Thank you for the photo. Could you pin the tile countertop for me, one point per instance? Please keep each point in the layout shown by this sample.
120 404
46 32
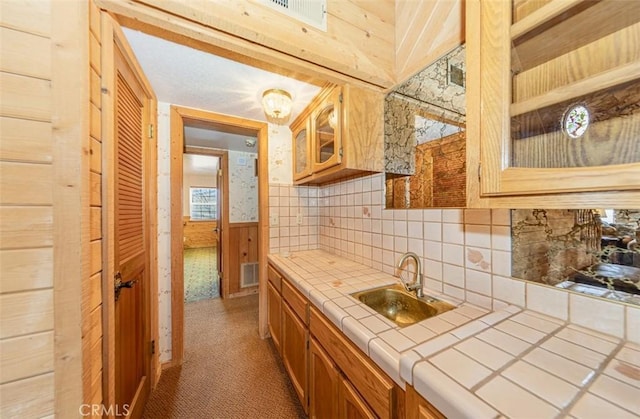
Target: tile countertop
467 361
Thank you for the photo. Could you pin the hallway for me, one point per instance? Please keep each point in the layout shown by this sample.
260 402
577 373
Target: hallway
200 274
228 371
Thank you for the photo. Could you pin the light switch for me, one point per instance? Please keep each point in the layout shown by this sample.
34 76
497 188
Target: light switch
274 221
299 219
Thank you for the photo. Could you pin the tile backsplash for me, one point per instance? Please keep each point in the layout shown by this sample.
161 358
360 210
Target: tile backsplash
466 253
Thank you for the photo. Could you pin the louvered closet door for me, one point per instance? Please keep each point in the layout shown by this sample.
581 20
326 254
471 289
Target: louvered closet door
131 259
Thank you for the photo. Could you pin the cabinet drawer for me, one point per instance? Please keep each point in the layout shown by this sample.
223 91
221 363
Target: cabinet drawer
374 386
275 278
296 301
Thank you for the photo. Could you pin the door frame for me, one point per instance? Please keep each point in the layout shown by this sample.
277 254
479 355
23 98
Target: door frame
111 32
223 225
179 117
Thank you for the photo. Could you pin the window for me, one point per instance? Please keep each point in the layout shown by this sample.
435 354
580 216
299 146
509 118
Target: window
203 203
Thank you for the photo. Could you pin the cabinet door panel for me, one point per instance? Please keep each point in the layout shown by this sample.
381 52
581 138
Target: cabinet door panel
274 310
524 81
324 379
301 150
351 404
294 352
326 126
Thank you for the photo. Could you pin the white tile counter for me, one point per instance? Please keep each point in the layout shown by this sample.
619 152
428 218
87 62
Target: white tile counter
467 361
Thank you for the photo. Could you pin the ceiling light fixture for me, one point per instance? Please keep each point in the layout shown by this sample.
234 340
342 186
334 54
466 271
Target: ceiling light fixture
277 105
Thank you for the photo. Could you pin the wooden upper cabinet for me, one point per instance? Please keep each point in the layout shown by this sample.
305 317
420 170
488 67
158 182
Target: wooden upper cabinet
344 135
552 103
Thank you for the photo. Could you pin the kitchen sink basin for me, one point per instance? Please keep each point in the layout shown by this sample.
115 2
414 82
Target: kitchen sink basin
401 307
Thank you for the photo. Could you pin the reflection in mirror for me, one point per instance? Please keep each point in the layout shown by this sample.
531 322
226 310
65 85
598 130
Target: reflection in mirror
425 141
593 251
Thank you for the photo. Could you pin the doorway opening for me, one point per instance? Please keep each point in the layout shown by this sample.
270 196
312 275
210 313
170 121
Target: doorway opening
200 213
240 224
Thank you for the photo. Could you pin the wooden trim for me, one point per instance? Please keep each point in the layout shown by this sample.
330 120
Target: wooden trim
70 136
177 232
242 225
179 116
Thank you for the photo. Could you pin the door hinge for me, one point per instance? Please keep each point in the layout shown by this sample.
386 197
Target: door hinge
340 152
479 170
219 172
340 98
153 347
150 130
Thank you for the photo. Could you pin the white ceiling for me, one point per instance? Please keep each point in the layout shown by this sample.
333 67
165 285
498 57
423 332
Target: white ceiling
188 77
196 164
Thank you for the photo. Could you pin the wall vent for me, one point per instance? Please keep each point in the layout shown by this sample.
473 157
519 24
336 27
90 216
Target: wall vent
248 274
311 12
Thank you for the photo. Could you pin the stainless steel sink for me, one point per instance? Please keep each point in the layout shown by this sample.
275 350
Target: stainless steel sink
401 307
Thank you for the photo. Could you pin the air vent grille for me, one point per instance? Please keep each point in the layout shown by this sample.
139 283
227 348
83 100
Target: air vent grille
311 12
248 274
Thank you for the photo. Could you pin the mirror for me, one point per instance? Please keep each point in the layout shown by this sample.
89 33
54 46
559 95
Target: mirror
425 140
593 251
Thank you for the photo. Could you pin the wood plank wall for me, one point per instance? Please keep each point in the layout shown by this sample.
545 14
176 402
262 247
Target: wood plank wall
92 285
243 248
358 41
26 211
199 233
425 31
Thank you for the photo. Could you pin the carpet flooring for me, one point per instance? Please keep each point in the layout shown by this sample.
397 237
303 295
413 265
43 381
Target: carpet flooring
228 371
200 274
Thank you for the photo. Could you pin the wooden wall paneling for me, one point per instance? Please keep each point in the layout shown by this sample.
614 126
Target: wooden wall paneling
368 59
425 31
26 227
199 233
107 118
95 153
25 97
70 96
31 16
183 30
17 364
26 183
95 184
94 118
92 341
32 397
26 312
25 140
22 53
25 269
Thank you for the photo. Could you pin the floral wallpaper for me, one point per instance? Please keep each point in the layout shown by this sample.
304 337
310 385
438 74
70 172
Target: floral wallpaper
243 187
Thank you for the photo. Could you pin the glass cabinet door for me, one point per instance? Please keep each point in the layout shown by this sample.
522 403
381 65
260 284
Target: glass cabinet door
301 152
327 129
560 88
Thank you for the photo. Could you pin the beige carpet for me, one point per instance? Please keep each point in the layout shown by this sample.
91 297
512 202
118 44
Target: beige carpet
228 371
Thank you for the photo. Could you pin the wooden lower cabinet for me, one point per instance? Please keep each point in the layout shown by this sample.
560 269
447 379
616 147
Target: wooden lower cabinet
324 381
274 316
351 405
294 352
419 408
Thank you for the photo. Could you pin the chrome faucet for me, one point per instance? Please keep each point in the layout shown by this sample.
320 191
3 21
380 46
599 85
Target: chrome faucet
417 280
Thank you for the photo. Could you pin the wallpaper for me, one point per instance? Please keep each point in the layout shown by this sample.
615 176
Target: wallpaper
243 187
